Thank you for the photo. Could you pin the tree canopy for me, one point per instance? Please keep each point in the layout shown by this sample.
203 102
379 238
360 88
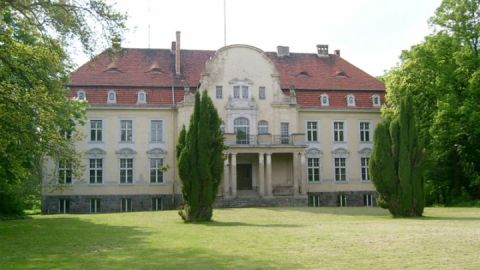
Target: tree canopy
36 117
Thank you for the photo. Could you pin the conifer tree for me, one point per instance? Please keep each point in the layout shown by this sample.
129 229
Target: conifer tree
200 160
396 163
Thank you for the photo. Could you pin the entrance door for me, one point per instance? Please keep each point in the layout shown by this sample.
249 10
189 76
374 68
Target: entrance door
244 176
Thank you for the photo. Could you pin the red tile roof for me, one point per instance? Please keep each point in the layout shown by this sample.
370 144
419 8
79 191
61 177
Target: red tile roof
153 70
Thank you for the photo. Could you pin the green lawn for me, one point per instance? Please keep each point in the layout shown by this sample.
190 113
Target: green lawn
248 238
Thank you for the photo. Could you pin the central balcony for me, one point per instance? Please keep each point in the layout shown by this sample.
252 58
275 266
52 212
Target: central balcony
232 139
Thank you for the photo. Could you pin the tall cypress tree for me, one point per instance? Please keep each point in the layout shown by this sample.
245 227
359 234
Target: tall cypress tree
200 160
396 163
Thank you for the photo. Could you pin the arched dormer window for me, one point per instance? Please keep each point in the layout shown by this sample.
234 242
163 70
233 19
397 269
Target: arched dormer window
376 102
111 96
141 97
262 127
81 95
350 100
241 88
324 100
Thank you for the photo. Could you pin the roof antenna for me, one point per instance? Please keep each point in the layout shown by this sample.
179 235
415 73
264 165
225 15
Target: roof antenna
225 22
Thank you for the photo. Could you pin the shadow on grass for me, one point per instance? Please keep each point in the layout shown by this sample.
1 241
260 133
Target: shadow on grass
242 224
77 243
449 218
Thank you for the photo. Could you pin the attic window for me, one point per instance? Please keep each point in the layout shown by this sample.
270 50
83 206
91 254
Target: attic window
324 100
341 74
111 97
303 74
155 70
81 95
376 101
141 97
112 68
350 100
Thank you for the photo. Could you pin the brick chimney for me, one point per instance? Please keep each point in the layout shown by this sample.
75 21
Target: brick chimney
337 52
322 50
283 51
177 55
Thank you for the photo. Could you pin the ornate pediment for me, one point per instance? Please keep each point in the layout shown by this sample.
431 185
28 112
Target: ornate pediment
240 81
126 152
156 153
340 153
96 153
314 153
365 152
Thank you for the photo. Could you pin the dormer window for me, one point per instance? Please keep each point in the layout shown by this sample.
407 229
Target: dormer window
81 95
350 100
141 97
324 100
111 97
376 101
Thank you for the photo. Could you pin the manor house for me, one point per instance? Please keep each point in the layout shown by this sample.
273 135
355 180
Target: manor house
298 126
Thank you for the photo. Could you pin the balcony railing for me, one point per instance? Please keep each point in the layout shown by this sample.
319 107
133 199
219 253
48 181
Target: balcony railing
264 139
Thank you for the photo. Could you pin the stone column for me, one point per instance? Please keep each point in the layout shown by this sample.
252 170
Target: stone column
269 175
261 175
303 177
295 173
226 178
233 170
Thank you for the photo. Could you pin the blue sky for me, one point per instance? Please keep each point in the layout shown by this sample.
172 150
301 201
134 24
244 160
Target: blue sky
370 33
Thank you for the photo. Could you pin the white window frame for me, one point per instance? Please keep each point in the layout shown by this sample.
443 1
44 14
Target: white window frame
310 131
126 168
95 169
342 200
340 131
340 167
95 205
157 170
139 99
80 93
65 167
262 93
311 167
322 102
364 132
262 127
109 100
364 167
351 100
219 92
126 130
158 132
315 199
241 91
368 200
376 101
128 205
65 205
157 204
97 130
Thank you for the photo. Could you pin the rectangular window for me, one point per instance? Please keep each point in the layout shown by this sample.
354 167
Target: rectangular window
126 171
261 92
244 91
368 200
340 169
284 135
236 91
157 204
96 130
63 206
342 200
219 92
338 130
95 205
126 205
156 131
64 172
364 168
312 132
156 173
313 170
313 200
96 171
364 131
126 129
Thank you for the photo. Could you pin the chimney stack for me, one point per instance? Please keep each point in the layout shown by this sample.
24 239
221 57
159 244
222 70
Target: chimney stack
337 52
322 50
283 51
177 55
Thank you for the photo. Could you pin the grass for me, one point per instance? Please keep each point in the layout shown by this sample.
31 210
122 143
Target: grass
248 238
